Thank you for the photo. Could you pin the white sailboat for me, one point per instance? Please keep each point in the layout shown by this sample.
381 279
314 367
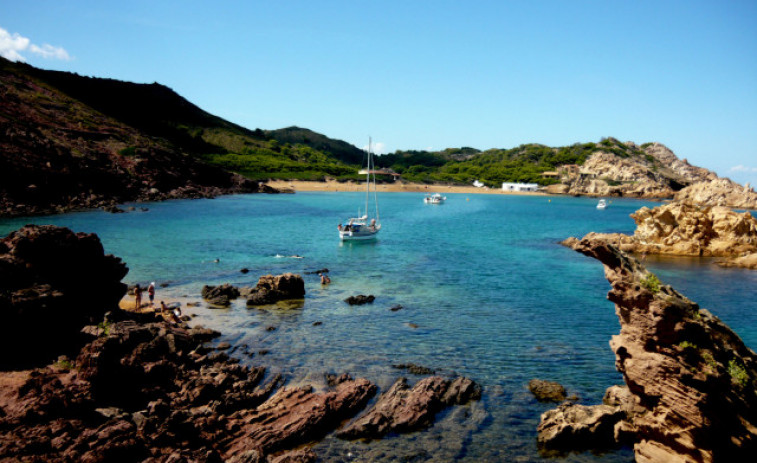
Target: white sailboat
601 204
364 227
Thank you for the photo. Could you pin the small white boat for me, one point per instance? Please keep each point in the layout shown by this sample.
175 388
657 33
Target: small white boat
601 204
362 227
435 198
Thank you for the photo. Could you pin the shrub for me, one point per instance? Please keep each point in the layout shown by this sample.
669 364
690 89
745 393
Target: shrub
738 373
651 282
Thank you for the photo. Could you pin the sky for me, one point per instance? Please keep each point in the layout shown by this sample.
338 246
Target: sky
430 74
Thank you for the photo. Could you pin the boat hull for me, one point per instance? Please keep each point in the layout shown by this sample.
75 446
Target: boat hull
357 236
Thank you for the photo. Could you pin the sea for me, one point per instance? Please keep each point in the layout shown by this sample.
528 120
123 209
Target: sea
485 289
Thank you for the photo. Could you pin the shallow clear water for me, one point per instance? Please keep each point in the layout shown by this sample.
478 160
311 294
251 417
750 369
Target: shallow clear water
486 292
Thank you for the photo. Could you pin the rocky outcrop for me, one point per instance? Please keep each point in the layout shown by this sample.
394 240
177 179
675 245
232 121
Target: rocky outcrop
579 427
271 289
719 192
625 169
686 230
692 379
748 261
404 409
53 282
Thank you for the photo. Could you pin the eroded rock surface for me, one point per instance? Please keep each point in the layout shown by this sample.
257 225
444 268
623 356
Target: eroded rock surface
692 379
404 409
687 230
719 192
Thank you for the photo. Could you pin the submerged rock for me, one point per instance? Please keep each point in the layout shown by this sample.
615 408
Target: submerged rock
547 391
691 378
360 299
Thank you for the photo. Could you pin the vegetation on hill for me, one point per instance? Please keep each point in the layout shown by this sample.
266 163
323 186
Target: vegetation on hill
105 132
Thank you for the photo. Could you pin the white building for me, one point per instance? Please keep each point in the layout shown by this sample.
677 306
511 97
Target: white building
478 184
520 187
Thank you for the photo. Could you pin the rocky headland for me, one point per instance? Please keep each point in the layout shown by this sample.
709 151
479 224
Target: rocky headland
130 386
690 381
650 170
683 229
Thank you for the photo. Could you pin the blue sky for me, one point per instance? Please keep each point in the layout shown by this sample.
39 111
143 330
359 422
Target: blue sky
430 74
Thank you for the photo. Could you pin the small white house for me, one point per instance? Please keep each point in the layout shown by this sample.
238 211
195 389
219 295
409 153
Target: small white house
478 184
520 187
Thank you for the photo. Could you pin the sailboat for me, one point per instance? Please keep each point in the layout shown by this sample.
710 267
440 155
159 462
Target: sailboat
364 227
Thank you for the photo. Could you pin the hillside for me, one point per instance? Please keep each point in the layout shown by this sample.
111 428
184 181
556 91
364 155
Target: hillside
69 142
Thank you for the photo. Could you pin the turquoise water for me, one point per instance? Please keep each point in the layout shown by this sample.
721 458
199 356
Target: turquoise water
486 292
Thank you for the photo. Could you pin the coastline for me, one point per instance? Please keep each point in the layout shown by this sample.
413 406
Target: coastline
286 186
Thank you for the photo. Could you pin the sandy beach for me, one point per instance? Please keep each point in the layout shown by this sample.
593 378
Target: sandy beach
395 187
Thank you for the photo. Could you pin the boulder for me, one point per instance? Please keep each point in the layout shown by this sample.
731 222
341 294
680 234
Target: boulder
578 427
360 299
221 295
547 391
271 289
719 192
53 282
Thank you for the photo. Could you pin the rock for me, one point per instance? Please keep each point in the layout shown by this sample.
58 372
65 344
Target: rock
687 230
414 369
220 295
547 391
719 192
245 270
294 416
53 282
360 299
271 289
692 379
578 427
403 409
395 308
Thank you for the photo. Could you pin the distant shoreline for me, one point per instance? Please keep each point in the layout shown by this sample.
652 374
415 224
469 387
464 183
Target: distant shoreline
394 187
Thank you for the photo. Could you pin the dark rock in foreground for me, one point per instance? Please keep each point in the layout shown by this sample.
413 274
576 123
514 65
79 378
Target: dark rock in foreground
53 282
691 380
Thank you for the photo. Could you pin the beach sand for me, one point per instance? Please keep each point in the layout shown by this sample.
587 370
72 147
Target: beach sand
394 187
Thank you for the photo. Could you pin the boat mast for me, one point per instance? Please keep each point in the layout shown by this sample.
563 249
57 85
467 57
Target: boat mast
368 177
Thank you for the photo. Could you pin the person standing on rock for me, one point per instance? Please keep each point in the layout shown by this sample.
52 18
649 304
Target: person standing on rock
137 297
151 293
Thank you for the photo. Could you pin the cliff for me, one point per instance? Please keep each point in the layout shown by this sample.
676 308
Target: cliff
691 380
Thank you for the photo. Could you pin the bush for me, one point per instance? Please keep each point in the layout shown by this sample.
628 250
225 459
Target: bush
651 282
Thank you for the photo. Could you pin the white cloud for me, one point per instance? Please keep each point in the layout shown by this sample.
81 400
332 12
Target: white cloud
12 47
376 148
743 168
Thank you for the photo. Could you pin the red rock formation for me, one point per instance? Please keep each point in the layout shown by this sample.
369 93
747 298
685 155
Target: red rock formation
692 379
402 409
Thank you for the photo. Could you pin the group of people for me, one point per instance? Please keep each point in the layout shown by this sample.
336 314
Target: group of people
324 278
138 295
175 313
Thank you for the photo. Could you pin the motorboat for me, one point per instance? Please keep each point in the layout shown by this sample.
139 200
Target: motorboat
364 227
435 198
601 204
